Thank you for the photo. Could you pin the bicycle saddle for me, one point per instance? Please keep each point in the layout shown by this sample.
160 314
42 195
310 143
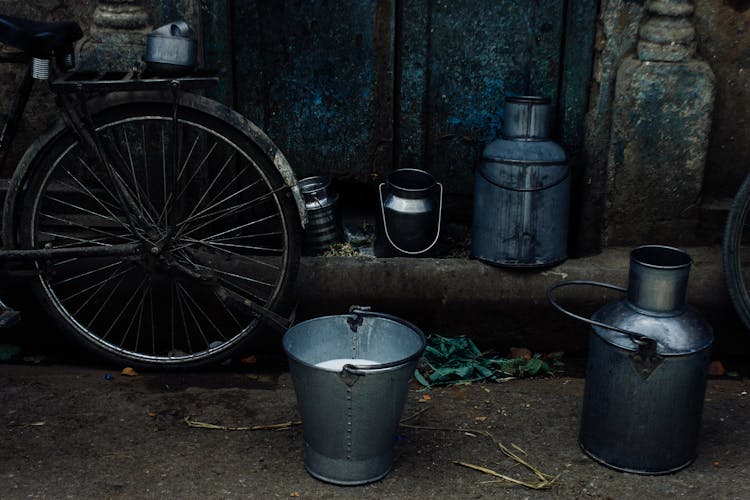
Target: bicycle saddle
38 38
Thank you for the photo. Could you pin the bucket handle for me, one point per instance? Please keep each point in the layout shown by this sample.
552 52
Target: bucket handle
361 311
638 338
526 190
385 223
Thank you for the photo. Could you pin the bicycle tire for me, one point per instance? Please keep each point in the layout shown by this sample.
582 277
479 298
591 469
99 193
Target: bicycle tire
736 252
221 210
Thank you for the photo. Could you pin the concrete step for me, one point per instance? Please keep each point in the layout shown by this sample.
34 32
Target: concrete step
502 306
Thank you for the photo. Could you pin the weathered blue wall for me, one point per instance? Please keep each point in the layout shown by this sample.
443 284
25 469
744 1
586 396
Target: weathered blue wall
355 89
317 76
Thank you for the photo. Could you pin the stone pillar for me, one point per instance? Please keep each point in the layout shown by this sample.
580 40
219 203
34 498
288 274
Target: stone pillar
118 35
661 120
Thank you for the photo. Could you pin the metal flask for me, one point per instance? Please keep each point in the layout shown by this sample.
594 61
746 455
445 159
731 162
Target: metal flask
411 205
171 50
647 368
522 191
324 220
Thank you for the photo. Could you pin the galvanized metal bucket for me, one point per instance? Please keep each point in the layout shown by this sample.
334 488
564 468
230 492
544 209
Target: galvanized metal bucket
647 368
351 375
522 191
410 219
323 217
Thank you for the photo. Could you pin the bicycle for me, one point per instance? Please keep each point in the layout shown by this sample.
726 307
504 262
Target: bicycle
736 252
157 227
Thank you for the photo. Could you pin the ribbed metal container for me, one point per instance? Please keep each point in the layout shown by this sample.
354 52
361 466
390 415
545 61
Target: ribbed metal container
323 217
171 50
647 369
522 191
410 214
350 415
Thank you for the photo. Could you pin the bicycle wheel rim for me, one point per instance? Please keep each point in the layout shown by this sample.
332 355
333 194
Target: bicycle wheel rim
736 253
231 223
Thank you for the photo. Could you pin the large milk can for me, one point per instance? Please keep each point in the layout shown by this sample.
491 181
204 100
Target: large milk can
323 218
647 368
351 374
522 191
411 204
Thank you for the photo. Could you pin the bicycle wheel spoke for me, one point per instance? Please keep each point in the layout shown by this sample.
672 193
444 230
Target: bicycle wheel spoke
214 246
70 223
205 212
226 212
85 274
185 328
242 291
209 206
143 201
203 314
138 314
98 286
208 190
85 190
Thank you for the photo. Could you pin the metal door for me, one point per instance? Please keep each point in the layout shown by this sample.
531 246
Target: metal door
354 89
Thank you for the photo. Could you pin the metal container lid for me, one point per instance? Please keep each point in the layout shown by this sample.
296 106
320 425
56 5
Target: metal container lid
527 118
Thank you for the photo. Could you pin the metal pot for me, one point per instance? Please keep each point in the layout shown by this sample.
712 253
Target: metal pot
647 368
411 204
522 191
171 50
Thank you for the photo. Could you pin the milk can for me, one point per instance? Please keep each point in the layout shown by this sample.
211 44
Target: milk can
324 220
522 191
647 368
411 204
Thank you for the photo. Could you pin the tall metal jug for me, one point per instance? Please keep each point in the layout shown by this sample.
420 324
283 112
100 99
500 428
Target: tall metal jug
522 191
647 368
324 225
411 204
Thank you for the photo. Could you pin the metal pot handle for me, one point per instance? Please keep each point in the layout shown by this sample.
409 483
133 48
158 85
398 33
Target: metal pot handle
385 223
638 338
359 312
526 190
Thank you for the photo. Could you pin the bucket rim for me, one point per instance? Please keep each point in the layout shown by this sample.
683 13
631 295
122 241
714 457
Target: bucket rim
411 190
358 369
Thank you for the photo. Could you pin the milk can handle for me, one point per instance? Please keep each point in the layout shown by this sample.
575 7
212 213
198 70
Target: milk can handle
526 164
636 337
385 223
360 311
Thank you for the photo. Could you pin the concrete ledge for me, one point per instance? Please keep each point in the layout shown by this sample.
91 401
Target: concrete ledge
471 283
457 296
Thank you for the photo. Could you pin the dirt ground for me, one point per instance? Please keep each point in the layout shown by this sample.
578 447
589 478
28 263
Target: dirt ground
73 431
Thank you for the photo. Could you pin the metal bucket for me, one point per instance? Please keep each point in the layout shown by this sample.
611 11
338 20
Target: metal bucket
647 368
522 191
351 408
410 218
323 217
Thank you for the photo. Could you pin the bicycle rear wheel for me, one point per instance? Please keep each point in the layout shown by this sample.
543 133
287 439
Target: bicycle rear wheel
212 215
736 252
